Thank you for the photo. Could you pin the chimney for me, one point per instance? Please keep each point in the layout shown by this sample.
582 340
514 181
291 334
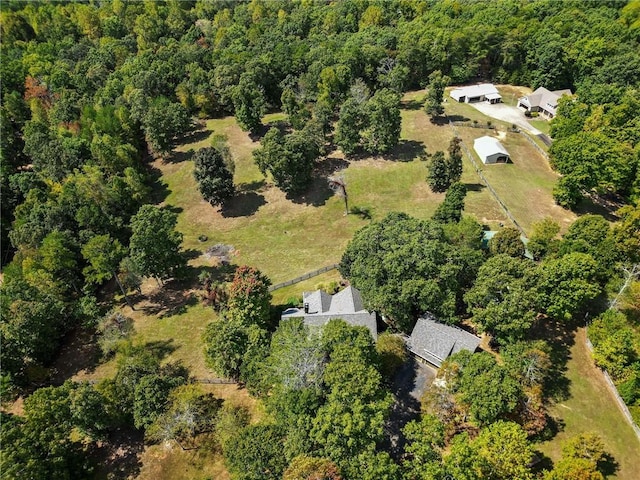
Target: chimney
306 308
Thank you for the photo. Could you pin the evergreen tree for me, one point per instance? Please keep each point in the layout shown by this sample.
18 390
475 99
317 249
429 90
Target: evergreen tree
438 173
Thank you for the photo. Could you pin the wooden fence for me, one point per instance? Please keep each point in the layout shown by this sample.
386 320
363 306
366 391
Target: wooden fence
216 381
486 182
533 142
303 277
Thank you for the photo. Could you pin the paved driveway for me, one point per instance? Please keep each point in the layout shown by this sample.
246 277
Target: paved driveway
506 113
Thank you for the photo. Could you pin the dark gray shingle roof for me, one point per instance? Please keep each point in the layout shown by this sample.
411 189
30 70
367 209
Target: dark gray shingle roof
435 341
346 305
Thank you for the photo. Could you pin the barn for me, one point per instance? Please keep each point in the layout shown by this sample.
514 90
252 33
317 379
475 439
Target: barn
490 150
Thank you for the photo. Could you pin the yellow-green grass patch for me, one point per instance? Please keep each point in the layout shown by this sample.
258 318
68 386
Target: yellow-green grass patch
526 184
592 408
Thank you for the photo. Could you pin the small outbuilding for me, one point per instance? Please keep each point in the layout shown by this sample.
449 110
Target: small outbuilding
433 342
484 92
490 150
319 307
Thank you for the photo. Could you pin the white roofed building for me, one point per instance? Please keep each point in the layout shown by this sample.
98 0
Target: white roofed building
490 150
484 92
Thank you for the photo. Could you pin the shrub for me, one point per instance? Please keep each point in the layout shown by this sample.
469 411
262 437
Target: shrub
113 329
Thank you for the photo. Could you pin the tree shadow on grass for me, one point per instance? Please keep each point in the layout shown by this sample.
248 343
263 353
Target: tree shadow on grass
160 349
411 105
560 338
608 465
178 157
262 130
316 195
168 301
318 191
605 206
79 353
119 456
246 201
405 151
474 187
159 189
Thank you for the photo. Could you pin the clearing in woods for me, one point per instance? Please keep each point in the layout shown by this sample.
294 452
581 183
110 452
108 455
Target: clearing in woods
286 237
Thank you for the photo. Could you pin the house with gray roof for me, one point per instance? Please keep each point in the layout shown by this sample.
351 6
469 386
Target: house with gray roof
543 101
434 342
319 307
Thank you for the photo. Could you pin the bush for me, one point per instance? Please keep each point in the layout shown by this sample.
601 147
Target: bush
630 390
393 353
113 329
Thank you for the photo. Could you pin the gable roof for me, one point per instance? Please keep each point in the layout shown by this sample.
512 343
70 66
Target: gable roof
487 146
347 305
544 98
473 91
435 341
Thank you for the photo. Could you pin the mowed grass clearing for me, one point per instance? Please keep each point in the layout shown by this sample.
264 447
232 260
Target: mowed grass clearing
592 408
286 237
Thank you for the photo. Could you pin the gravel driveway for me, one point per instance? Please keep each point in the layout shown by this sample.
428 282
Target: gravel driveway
506 113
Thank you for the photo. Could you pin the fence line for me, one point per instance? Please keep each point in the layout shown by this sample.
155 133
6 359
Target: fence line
223 381
303 277
614 390
488 126
533 142
486 182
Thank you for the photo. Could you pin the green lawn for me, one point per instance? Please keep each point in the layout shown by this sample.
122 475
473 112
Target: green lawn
542 125
592 408
526 184
286 238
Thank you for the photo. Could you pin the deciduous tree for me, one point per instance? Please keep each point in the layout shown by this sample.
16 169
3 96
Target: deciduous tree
450 210
507 241
155 244
215 181
435 93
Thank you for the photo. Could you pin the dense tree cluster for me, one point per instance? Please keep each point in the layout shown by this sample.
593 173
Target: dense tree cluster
234 343
289 158
325 394
404 267
89 90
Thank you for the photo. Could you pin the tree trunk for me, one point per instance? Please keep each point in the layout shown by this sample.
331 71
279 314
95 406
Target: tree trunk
126 298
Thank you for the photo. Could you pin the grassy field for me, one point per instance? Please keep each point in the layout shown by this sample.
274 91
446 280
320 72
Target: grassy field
523 185
287 237
592 408
542 125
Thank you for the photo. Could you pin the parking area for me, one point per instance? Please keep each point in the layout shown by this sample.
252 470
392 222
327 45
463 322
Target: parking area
506 113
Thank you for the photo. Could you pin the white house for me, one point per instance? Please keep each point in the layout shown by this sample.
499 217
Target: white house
543 101
476 93
490 150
